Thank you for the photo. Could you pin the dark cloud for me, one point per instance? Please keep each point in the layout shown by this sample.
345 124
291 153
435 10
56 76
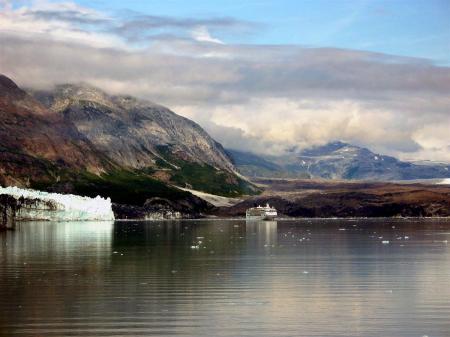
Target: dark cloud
137 26
140 21
70 16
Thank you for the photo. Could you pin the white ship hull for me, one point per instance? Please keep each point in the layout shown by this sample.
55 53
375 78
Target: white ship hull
261 213
261 217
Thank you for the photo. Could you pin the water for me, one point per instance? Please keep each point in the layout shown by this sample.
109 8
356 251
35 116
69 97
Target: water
291 278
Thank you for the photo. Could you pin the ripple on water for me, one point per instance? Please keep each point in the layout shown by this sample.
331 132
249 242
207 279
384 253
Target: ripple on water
285 278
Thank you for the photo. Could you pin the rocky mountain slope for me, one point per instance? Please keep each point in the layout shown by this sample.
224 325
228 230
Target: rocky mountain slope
340 160
149 138
77 139
130 131
36 142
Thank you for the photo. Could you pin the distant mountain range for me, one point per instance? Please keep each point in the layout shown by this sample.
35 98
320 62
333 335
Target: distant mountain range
77 138
336 160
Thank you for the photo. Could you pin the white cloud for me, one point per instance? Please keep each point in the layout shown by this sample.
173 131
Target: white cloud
57 21
262 98
202 34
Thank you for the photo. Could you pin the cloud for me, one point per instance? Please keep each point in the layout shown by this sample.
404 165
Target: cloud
201 34
67 16
263 98
65 22
135 26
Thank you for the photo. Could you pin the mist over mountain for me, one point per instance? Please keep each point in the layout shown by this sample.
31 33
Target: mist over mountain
336 160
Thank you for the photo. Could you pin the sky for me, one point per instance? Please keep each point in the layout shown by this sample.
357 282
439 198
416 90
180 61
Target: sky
258 75
418 28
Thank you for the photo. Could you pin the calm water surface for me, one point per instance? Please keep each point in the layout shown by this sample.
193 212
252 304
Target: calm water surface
226 278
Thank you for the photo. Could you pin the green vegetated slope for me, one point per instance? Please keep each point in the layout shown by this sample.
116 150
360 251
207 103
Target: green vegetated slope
122 186
203 177
126 187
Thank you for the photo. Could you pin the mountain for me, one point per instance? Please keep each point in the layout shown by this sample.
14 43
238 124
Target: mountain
131 131
36 142
77 139
339 160
252 165
140 135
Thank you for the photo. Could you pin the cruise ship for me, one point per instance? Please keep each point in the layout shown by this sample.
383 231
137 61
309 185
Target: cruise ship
261 213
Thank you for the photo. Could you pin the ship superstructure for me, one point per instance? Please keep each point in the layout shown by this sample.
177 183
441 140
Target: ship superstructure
261 213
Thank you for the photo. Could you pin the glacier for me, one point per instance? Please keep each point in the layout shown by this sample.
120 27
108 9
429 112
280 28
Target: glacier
37 205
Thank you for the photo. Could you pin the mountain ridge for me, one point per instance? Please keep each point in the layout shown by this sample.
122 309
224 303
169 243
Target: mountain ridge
34 138
78 139
132 129
338 160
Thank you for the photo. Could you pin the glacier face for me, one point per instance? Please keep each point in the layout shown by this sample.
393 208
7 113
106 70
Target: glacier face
38 205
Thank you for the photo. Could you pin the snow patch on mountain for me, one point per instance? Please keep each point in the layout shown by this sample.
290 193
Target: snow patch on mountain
38 205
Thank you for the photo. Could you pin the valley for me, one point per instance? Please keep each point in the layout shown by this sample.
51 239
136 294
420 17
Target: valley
325 199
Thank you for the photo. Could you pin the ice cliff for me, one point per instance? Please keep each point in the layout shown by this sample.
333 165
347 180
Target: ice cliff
25 204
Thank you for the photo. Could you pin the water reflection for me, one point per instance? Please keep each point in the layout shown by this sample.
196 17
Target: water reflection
262 233
226 278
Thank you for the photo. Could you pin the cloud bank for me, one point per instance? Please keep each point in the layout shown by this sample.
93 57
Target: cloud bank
263 98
